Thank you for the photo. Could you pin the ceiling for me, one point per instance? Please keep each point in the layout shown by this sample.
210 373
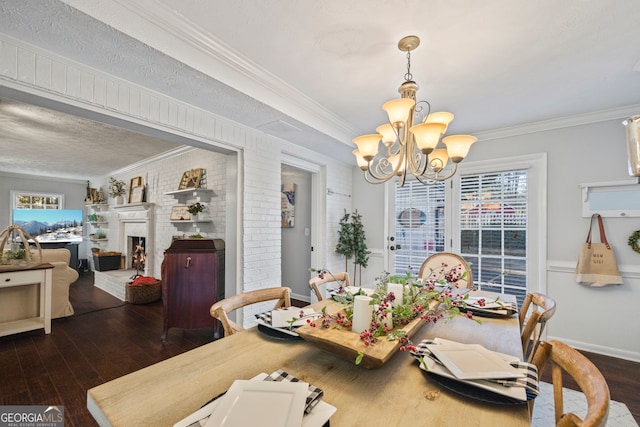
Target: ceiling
316 73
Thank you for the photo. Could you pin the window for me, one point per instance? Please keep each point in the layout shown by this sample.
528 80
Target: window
493 230
27 200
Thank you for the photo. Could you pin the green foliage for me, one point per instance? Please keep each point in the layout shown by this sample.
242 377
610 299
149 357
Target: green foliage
195 208
19 254
352 239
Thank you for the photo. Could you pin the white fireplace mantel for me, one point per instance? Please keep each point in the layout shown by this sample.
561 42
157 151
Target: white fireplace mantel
136 219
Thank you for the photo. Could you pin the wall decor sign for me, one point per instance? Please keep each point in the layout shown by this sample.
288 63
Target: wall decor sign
288 204
180 213
191 179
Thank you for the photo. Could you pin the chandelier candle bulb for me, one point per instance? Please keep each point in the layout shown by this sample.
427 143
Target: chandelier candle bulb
362 313
397 289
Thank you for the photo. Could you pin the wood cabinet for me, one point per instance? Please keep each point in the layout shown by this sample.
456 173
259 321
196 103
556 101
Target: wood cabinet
192 280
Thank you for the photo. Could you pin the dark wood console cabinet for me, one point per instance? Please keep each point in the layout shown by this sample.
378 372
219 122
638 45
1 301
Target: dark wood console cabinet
192 280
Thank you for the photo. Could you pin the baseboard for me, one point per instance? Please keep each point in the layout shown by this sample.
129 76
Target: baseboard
301 297
598 349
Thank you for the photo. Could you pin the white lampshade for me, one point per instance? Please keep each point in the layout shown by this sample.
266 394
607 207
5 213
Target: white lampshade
458 146
398 109
368 145
438 159
362 163
427 135
439 117
388 134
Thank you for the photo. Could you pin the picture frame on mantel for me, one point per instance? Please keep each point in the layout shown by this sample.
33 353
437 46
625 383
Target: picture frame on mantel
136 190
180 213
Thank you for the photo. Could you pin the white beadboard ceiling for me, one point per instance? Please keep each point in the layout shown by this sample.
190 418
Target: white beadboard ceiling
316 72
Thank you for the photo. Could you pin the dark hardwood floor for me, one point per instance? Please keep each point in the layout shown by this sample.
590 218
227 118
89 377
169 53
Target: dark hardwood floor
106 339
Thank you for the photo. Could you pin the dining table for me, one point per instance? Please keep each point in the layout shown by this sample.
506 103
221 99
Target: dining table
397 393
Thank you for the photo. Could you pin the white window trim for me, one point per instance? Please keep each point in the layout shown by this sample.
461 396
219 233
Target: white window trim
15 193
536 165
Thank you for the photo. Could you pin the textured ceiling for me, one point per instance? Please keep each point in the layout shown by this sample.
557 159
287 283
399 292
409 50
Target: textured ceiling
316 73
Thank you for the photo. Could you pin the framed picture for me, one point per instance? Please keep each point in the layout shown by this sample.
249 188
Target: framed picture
191 179
180 213
136 190
288 205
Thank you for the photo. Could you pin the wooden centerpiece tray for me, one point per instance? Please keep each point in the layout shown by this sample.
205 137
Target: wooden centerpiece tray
347 344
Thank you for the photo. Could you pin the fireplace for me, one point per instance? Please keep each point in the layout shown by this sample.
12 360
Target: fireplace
136 237
136 242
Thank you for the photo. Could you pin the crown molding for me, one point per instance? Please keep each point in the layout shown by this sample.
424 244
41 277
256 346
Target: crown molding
619 113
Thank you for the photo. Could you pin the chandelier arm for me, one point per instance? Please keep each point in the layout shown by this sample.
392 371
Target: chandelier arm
419 109
437 176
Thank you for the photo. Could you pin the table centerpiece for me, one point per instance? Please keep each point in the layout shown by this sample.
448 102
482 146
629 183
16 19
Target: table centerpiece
398 306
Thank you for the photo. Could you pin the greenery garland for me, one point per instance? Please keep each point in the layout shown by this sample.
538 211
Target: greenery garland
633 241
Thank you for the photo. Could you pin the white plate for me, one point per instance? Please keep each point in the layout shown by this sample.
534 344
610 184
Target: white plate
473 362
354 290
263 403
514 392
318 416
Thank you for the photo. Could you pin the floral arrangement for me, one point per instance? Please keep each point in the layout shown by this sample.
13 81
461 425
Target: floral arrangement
430 299
116 187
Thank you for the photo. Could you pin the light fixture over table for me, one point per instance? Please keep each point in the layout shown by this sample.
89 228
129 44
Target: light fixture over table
409 147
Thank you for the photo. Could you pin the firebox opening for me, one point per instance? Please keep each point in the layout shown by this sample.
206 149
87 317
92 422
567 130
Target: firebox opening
137 252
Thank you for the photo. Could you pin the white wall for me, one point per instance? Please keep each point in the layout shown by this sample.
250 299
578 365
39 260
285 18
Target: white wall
599 320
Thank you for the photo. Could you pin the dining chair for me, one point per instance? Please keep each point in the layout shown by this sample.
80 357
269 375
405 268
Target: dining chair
341 278
222 308
536 310
437 265
565 359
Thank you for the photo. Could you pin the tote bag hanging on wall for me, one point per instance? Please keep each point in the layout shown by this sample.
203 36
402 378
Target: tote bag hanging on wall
597 264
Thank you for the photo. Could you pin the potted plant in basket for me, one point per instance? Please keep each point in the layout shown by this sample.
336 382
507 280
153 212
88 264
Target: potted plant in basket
117 190
16 256
195 209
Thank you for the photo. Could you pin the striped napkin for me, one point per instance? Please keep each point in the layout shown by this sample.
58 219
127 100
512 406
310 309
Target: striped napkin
313 395
529 381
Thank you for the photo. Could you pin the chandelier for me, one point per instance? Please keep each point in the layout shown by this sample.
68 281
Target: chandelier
408 146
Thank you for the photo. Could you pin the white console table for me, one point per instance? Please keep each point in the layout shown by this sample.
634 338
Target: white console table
40 275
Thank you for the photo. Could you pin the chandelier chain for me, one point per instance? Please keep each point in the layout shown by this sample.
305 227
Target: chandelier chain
408 76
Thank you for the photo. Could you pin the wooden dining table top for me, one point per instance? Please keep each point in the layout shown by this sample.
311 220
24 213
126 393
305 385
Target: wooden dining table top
398 393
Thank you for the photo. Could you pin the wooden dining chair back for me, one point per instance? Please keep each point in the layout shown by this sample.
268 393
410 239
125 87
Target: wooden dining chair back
438 265
535 312
562 358
222 308
341 278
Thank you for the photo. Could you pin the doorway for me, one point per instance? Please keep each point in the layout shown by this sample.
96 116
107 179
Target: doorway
296 227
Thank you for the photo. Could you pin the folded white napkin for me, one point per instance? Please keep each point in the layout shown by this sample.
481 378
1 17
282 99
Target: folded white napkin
282 317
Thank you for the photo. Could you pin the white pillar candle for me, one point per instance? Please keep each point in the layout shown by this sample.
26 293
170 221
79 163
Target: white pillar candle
397 289
362 313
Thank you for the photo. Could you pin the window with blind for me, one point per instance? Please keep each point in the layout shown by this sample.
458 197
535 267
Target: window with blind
493 230
419 224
